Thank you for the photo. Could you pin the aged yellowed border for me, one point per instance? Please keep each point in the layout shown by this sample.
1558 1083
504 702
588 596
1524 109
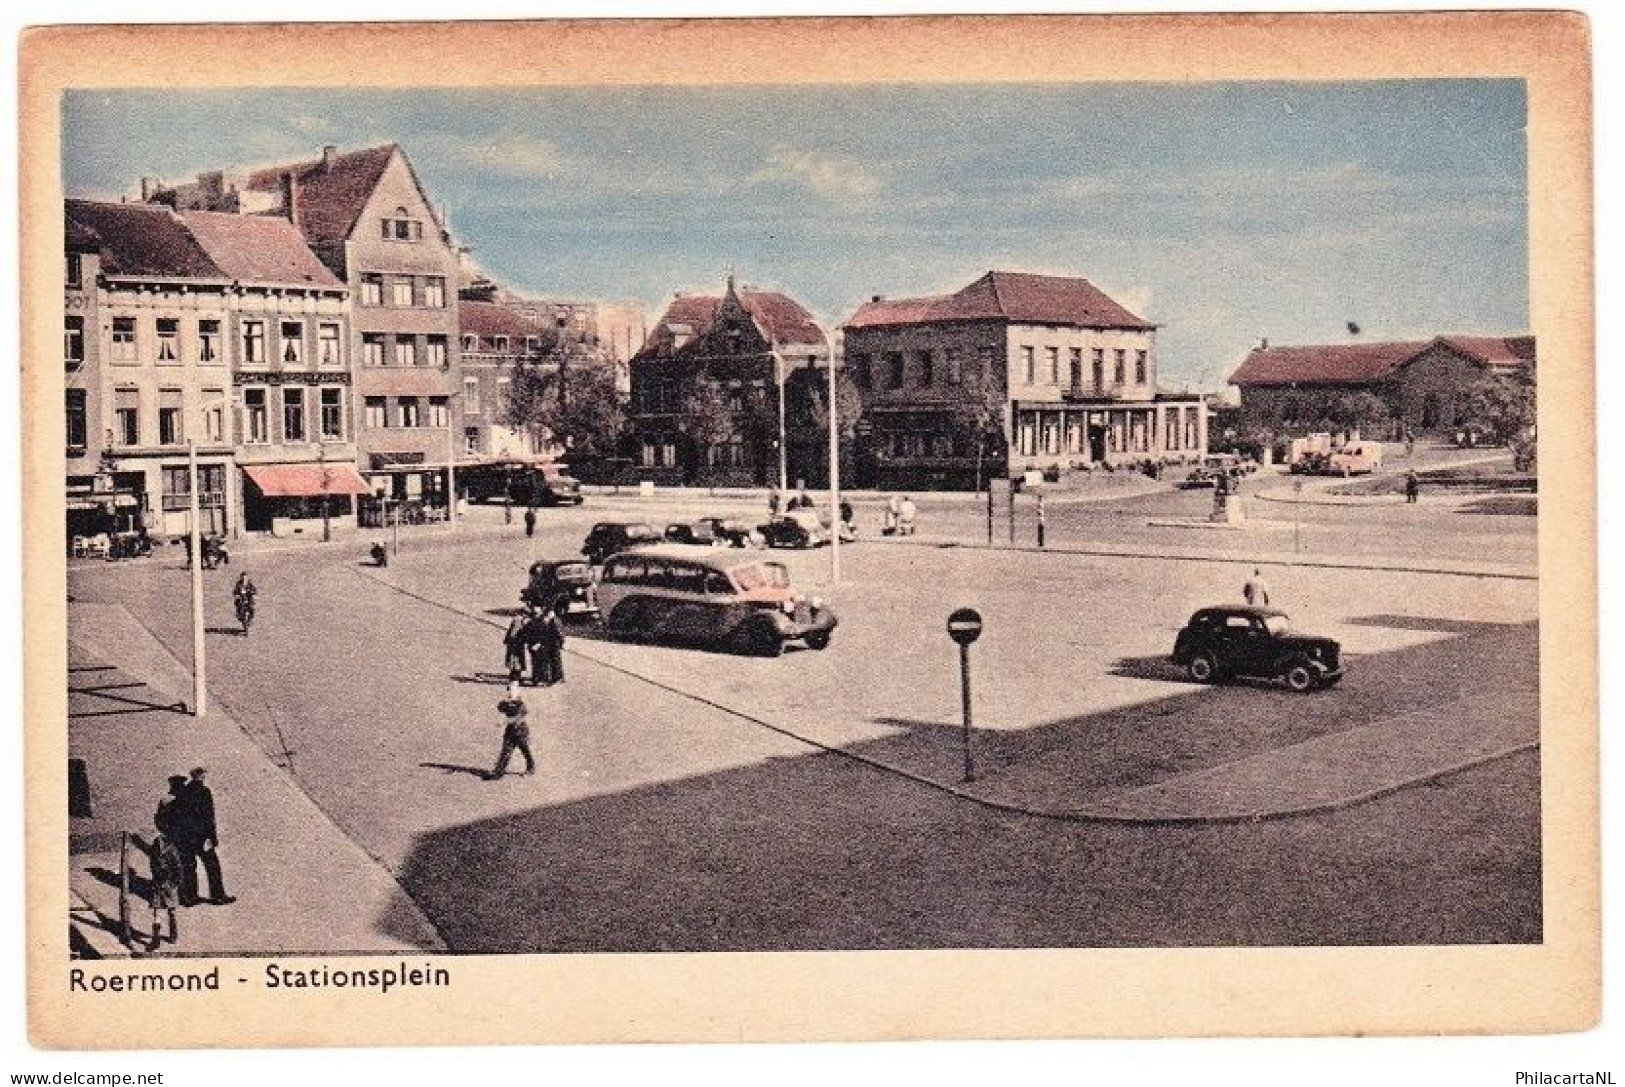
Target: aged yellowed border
1554 986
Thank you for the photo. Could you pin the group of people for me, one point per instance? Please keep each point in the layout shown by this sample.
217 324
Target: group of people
900 515
535 636
187 833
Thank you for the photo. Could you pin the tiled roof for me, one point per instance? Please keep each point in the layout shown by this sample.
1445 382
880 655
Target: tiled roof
257 248
780 318
1363 363
1008 296
331 197
142 239
78 238
489 319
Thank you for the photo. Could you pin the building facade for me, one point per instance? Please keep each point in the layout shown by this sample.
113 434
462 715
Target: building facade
498 341
707 385
1015 372
1422 383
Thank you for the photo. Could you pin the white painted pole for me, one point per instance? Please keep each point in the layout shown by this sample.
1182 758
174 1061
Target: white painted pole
200 696
451 462
834 467
784 465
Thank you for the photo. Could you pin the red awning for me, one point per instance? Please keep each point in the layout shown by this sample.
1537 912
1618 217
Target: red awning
306 480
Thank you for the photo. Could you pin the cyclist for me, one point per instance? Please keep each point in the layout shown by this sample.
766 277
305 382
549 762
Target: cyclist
242 595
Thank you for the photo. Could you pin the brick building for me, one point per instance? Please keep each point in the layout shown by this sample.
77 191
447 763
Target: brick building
497 340
1422 382
1032 371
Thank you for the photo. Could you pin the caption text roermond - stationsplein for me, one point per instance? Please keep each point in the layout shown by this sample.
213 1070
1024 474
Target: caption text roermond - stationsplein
274 975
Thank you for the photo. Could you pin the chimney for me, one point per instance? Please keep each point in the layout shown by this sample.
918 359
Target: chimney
329 154
1264 344
876 297
150 187
290 196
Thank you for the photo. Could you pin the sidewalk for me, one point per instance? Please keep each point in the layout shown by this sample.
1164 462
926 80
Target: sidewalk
301 884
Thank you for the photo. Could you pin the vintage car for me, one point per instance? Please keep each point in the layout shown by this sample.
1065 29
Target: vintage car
608 537
710 596
1212 467
795 528
1225 641
565 583
713 532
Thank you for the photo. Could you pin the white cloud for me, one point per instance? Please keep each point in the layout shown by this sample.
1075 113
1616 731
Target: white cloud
518 156
825 175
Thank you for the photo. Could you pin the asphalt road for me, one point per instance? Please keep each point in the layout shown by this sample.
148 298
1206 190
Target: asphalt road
675 807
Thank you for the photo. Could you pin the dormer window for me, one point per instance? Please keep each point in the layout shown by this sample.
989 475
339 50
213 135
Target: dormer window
401 227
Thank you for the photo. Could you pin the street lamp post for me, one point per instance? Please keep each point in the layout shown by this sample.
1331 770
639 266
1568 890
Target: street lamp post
327 482
200 694
834 463
778 373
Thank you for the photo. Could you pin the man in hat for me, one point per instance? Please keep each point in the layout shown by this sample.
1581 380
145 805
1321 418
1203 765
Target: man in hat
515 734
204 837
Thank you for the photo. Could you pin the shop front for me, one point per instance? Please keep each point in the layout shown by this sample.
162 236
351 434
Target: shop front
300 499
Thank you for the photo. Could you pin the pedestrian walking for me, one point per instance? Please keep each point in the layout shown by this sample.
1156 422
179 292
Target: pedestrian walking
1256 591
530 521
513 645
906 512
515 734
199 823
773 500
894 506
164 886
1413 486
173 822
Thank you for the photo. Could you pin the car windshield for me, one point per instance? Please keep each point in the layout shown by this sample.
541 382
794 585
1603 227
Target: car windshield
1277 624
758 575
572 570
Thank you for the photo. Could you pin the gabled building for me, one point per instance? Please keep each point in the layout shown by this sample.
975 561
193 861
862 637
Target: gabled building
498 340
741 346
1014 372
1292 389
367 217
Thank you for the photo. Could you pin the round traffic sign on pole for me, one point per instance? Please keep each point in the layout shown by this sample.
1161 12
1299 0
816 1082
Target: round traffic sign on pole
965 626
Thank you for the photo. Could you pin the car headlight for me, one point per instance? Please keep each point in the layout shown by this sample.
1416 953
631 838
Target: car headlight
789 607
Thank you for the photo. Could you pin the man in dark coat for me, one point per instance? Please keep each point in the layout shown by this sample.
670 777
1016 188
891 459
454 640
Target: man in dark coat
202 840
1413 486
530 520
545 637
515 734
174 821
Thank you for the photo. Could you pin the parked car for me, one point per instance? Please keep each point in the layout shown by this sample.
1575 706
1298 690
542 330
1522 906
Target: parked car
795 528
553 486
1212 467
713 532
710 596
608 537
1356 458
565 583
1226 641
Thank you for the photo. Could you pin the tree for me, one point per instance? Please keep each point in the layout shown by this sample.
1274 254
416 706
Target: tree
986 419
705 418
1501 408
586 417
1357 411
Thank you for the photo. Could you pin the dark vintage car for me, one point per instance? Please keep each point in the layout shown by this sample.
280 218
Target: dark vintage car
795 528
1228 641
565 583
712 532
718 597
608 537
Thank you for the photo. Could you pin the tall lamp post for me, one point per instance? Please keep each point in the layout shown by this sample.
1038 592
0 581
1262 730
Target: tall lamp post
778 373
834 464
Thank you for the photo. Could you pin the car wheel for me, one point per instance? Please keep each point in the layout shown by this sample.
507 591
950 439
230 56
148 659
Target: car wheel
1203 668
818 639
1300 677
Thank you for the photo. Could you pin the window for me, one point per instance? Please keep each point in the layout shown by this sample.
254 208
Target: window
984 358
329 349
1170 428
504 387
1099 367
256 422
332 414
1119 362
400 291
471 343
471 439
374 413
254 343
1077 367
293 343
78 427
171 428
411 416
1028 374
214 416
127 417
1139 367
372 289
406 351
927 368
956 369
124 340
169 339
501 343
532 345
211 486
858 367
208 341
73 340
293 414
894 366
401 227
74 273
434 291
1052 355
439 412
372 349
471 396
436 346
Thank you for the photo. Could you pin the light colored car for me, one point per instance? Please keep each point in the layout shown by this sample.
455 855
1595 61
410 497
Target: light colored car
709 596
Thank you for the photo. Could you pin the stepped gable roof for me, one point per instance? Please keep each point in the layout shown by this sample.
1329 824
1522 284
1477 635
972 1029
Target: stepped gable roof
780 318
257 248
490 319
331 195
1008 296
142 239
1362 363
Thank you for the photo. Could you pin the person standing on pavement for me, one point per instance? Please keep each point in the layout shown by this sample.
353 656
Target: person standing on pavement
547 662
164 888
513 644
515 734
205 836
773 500
530 521
906 511
1413 486
1256 591
173 822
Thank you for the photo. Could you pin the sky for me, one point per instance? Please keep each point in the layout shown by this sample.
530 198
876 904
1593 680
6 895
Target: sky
1227 213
